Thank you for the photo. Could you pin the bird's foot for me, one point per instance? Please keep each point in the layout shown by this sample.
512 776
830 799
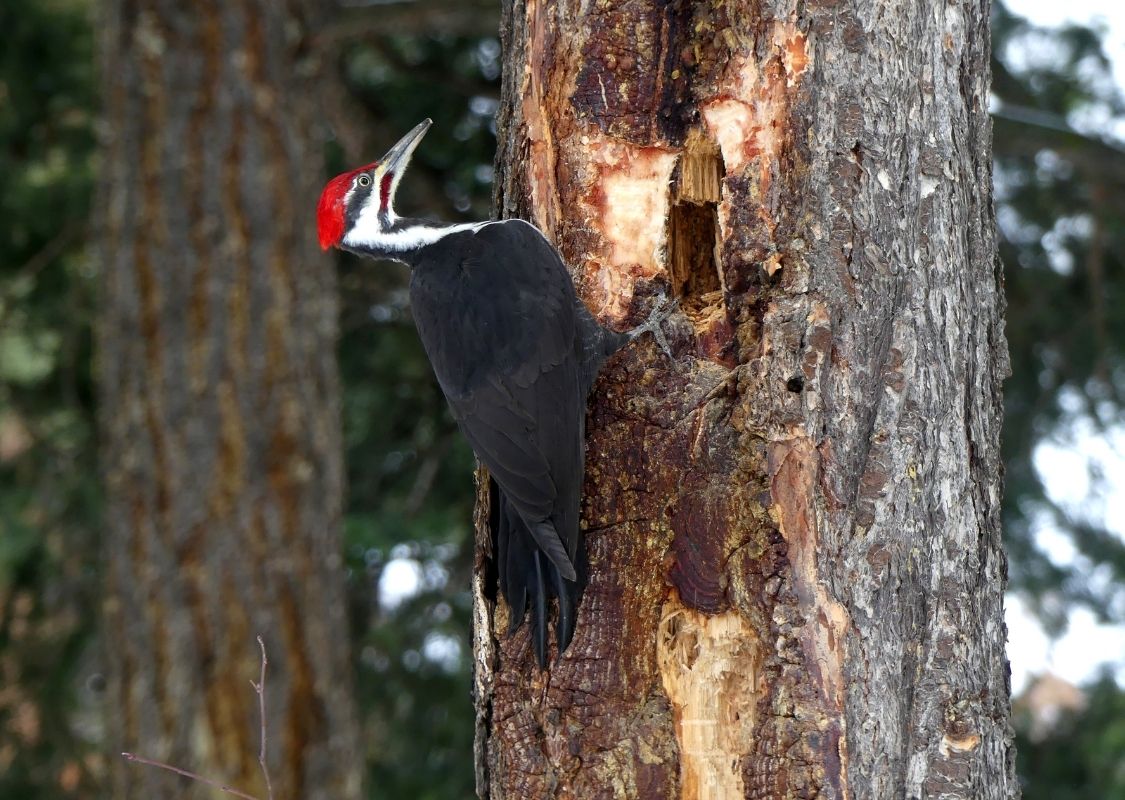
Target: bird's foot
661 310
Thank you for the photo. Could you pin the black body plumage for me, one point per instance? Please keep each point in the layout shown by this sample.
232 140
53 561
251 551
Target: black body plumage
516 353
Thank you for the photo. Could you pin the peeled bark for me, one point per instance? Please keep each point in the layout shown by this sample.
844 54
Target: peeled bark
219 404
794 526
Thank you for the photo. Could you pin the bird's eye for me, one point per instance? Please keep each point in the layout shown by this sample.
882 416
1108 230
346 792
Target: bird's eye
364 181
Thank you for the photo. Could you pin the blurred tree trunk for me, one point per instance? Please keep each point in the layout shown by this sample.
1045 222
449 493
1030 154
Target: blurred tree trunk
219 402
793 528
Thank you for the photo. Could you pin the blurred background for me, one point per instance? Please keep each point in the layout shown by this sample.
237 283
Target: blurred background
1059 113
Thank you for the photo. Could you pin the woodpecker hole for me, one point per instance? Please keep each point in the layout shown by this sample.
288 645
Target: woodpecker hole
693 249
694 223
796 384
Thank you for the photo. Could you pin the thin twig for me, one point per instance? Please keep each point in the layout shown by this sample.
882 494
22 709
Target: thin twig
42 258
260 688
50 251
220 786
425 478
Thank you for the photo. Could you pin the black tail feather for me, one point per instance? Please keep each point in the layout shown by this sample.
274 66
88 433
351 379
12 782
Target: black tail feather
539 612
551 545
529 577
564 625
513 557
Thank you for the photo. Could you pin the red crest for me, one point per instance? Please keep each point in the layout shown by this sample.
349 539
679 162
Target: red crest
330 209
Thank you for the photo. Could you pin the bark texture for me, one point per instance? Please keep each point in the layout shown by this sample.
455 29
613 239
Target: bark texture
219 398
794 533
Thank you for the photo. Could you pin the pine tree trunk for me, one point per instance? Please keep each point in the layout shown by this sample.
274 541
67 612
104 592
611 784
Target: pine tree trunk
219 402
793 527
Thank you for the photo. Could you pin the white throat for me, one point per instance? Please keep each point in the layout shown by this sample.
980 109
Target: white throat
369 234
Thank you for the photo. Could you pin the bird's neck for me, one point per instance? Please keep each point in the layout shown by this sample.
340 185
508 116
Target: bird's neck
402 238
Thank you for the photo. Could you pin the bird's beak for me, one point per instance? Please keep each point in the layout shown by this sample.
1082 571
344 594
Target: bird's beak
398 157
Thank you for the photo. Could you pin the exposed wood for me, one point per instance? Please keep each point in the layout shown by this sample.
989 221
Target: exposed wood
793 527
219 403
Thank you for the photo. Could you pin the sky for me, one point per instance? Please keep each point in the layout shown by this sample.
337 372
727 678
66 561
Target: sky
1087 647
1105 15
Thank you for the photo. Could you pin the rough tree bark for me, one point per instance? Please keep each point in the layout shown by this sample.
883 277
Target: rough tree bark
793 527
219 403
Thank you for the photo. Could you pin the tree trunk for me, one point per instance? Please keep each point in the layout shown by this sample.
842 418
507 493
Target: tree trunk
794 527
219 403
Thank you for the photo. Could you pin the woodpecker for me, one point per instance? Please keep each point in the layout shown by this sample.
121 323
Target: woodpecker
515 353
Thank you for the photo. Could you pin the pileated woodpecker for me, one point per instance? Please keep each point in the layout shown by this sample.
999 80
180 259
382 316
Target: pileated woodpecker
515 352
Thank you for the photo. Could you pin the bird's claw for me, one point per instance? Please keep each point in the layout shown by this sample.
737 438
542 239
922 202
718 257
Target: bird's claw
661 310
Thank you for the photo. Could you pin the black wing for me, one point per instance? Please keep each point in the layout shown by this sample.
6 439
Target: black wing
495 309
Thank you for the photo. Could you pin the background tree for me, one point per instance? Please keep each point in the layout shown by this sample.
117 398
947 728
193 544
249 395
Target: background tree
794 528
222 450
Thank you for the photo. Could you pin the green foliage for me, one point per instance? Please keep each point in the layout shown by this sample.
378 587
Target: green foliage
48 478
1060 189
